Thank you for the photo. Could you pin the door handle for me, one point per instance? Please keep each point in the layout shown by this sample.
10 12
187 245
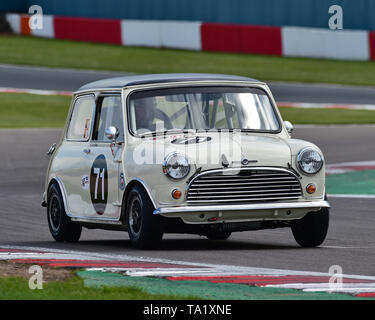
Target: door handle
87 151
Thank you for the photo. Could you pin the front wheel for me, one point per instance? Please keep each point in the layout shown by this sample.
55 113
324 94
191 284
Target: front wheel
60 225
312 229
144 228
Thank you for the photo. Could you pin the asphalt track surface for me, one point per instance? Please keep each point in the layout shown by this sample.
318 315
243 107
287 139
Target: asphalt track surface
350 242
70 80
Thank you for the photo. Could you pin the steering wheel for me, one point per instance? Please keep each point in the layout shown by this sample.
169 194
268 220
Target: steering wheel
159 114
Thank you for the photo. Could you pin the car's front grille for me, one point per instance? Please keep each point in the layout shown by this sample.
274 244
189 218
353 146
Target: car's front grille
243 186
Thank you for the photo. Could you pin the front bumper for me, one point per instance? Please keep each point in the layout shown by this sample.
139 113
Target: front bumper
242 212
245 207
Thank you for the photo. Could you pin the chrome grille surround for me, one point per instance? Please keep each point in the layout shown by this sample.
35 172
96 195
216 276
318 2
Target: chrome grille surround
244 185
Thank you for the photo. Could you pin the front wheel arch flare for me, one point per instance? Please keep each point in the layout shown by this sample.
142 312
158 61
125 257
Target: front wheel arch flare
125 197
52 182
61 188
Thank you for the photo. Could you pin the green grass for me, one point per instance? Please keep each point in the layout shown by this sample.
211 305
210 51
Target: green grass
33 111
39 111
16 288
327 116
60 53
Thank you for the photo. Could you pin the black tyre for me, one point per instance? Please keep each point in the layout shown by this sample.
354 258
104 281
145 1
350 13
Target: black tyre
60 225
218 235
144 228
311 230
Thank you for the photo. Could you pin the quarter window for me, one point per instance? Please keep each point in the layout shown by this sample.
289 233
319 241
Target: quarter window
80 121
109 114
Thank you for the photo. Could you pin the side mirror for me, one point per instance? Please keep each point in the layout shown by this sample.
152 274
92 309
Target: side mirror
289 127
112 133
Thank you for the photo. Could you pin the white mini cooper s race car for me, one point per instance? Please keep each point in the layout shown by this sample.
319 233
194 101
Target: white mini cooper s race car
182 153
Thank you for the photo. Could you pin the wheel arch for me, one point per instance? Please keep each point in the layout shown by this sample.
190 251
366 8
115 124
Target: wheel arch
133 183
56 180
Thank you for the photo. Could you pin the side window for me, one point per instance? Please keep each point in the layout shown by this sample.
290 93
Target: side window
80 121
109 113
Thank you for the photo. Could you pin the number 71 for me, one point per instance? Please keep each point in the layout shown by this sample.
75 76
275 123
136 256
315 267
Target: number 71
99 174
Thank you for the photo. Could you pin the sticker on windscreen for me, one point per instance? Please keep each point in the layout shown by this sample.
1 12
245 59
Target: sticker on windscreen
191 140
99 184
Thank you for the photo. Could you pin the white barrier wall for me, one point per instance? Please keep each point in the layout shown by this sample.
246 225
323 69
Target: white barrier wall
140 33
322 43
296 41
170 34
14 22
181 35
48 30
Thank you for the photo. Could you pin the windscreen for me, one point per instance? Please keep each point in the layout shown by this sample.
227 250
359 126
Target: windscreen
202 108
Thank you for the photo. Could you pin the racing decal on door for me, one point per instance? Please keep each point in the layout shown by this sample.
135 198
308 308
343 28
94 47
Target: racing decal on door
99 184
121 182
85 182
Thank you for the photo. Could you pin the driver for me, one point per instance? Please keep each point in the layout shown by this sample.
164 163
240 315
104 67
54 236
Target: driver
145 113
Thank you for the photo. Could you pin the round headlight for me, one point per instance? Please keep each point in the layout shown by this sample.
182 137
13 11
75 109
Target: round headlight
176 166
309 161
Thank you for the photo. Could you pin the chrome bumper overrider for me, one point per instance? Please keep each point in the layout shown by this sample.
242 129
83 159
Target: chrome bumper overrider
244 207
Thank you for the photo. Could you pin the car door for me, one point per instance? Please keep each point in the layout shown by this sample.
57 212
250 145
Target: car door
104 158
70 164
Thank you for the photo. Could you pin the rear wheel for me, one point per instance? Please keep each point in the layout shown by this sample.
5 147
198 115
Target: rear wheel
60 225
312 229
144 228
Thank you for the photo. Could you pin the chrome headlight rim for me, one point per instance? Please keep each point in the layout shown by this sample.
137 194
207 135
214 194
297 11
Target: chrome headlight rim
298 161
165 165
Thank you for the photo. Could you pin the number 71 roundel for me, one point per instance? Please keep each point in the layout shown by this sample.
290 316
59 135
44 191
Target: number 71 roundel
99 184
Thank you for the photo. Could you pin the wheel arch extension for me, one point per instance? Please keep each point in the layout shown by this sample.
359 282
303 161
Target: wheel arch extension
56 180
129 187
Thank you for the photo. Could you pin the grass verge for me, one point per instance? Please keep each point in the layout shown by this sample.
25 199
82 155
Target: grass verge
16 288
327 116
21 110
69 54
33 111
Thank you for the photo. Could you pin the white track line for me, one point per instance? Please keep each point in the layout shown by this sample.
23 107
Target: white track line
351 288
35 91
344 167
353 196
352 163
343 106
342 247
